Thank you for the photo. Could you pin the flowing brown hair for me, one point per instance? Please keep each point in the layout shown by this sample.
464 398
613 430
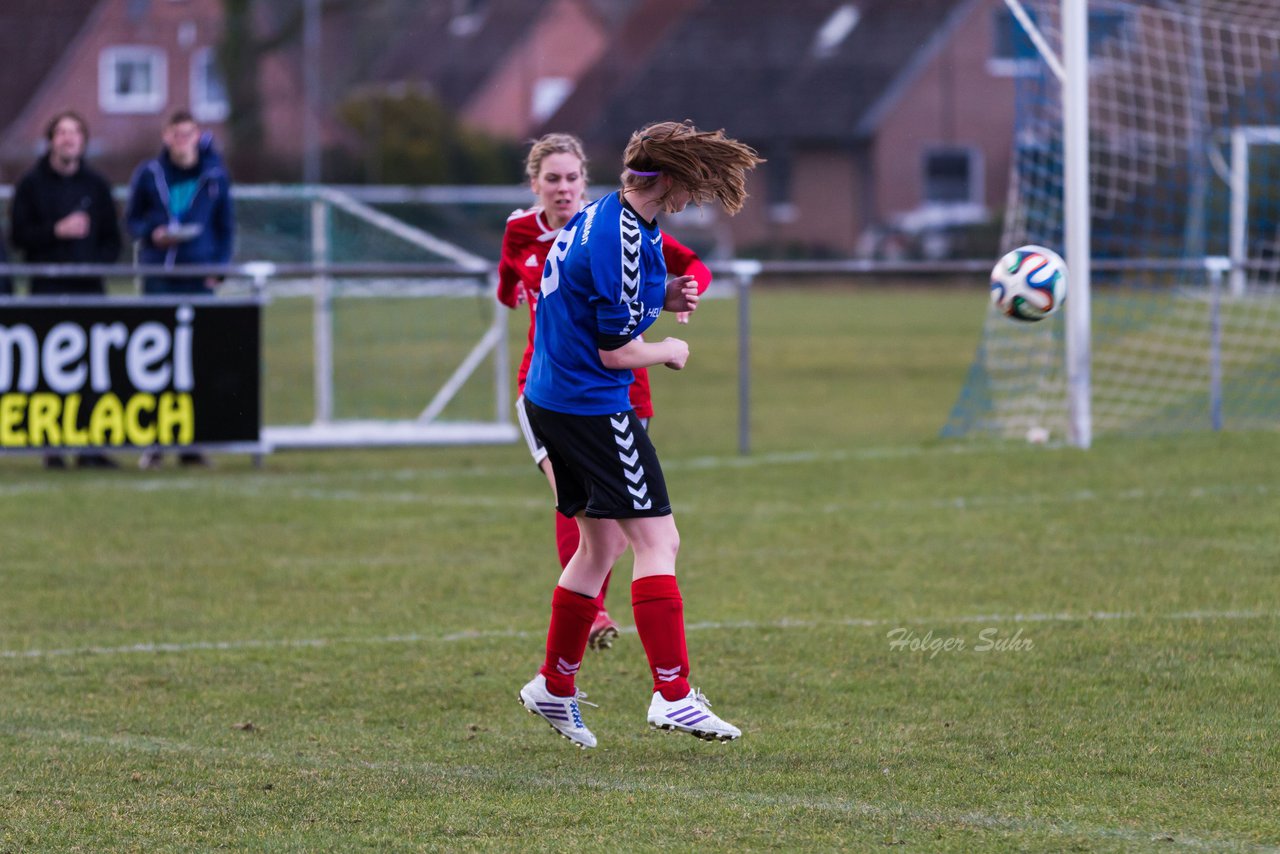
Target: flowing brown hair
708 164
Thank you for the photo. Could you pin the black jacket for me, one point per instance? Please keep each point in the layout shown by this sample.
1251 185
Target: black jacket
6 284
43 197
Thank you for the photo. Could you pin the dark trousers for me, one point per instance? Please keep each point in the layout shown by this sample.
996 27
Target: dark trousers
186 286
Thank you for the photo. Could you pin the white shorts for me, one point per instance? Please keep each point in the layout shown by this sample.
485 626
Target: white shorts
536 450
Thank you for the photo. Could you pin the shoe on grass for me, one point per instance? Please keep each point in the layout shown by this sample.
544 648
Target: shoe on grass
561 712
96 461
691 714
604 631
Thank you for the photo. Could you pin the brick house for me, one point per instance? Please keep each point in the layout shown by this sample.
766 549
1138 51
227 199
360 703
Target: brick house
501 65
122 64
880 118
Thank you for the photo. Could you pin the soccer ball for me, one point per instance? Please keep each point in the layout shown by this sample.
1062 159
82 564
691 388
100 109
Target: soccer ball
1029 283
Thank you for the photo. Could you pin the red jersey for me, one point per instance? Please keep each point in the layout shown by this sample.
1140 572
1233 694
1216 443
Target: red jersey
525 244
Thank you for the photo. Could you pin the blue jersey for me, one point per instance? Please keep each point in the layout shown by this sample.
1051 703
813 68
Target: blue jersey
603 284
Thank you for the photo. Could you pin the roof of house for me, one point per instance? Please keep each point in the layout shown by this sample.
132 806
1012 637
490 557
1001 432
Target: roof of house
813 70
455 55
440 51
34 36
636 37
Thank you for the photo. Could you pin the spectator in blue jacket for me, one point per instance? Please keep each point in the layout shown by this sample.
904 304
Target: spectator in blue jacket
180 212
180 209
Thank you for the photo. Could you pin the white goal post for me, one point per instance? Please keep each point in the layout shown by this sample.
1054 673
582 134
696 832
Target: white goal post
1236 174
1072 71
1075 178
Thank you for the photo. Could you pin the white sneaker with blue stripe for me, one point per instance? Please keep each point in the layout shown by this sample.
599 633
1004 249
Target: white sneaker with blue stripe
691 714
561 712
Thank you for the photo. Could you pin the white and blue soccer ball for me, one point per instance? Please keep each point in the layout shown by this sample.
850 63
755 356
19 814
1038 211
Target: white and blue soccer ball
1029 283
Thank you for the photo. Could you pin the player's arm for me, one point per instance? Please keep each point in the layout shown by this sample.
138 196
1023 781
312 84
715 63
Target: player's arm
681 260
511 285
617 342
509 288
637 353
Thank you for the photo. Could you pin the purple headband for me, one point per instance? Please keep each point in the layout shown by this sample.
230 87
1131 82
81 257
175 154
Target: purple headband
640 174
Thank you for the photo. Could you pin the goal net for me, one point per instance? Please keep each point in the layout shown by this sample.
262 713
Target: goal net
1184 189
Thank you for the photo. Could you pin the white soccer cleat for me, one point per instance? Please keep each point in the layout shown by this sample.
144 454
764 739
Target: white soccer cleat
561 712
691 714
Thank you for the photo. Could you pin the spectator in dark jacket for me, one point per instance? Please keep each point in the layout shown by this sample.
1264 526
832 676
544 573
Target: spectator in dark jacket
180 212
180 209
62 212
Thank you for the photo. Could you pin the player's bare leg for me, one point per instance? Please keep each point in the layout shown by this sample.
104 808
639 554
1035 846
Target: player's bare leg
659 614
604 631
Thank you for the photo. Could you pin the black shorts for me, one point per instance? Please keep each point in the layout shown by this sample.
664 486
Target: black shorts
536 450
604 464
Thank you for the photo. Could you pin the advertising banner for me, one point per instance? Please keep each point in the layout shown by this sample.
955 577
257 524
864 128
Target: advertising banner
134 373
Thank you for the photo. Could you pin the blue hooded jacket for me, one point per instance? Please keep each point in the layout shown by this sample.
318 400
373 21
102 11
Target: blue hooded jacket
152 204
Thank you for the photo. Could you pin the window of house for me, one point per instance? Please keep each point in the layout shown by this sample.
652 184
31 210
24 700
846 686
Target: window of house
467 18
1013 54
548 94
209 102
132 80
951 176
780 187
835 30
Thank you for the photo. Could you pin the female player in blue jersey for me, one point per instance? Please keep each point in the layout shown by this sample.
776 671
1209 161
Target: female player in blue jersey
604 284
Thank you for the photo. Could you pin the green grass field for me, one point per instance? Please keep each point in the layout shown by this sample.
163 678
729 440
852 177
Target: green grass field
323 654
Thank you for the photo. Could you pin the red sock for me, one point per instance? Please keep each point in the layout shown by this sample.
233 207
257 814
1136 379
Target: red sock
567 537
659 613
571 618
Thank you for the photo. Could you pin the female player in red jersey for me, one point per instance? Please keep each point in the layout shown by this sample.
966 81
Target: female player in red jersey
557 170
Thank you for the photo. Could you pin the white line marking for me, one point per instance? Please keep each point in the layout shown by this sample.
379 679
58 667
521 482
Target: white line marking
287 488
442 773
239 482
784 458
482 634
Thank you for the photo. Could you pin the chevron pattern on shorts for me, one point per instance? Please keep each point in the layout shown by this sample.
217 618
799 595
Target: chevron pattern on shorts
625 438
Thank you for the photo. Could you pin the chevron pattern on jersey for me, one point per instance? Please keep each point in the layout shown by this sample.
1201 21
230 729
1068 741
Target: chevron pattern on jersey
629 454
629 227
